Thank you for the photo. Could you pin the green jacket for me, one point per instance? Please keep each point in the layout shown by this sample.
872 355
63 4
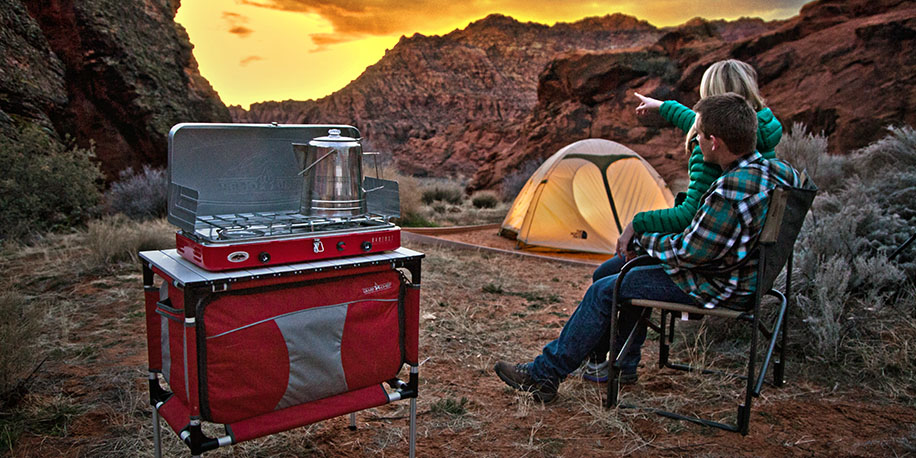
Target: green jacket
701 174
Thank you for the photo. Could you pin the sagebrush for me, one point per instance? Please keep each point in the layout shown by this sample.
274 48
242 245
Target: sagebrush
856 304
444 191
485 199
140 196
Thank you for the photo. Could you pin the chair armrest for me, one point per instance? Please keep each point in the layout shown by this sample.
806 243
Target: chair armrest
638 261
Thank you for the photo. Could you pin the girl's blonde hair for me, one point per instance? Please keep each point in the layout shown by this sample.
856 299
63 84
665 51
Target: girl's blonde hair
729 75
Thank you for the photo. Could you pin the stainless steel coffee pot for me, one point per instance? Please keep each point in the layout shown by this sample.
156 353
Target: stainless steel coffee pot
333 176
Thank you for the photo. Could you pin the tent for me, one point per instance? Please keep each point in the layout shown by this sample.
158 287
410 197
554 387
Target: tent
583 196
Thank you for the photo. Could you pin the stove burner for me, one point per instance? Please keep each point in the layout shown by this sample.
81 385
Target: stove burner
236 234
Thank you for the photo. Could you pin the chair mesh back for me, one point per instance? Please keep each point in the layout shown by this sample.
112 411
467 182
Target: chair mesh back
797 203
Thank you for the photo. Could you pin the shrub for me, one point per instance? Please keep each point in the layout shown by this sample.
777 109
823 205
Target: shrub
485 199
802 149
140 196
513 183
44 184
452 193
851 298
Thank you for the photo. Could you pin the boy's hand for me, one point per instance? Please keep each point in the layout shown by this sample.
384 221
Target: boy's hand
623 243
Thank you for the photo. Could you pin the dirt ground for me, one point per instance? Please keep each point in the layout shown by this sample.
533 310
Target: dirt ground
476 308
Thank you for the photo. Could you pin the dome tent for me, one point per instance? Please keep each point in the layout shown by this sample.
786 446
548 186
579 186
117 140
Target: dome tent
583 196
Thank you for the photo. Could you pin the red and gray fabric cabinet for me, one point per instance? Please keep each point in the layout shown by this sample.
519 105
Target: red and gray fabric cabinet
269 349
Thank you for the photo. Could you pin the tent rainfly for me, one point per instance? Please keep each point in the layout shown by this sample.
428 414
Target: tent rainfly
583 196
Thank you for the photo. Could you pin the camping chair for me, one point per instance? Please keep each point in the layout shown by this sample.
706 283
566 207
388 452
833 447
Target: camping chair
785 216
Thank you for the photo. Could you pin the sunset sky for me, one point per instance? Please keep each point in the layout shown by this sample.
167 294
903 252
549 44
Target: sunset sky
259 50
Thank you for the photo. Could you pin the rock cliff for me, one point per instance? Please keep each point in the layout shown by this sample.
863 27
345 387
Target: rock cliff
845 68
115 74
482 101
441 104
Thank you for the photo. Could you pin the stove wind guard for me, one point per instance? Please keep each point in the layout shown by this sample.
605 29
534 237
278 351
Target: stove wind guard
235 193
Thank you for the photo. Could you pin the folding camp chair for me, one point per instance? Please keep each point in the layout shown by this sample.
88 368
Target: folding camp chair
785 216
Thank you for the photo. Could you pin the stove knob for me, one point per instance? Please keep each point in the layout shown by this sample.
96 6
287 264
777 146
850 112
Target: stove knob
366 246
264 257
340 246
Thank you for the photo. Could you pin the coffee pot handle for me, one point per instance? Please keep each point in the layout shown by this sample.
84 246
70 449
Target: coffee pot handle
317 161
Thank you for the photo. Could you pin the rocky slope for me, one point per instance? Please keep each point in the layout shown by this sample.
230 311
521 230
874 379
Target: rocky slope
484 100
845 68
116 74
447 105
440 104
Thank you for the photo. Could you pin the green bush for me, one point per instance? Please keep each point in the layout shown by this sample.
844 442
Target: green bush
140 196
44 184
485 199
452 193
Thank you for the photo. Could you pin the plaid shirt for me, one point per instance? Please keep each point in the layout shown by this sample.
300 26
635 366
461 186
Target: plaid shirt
722 233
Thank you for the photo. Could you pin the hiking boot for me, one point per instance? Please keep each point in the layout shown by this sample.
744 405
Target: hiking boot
628 378
518 377
592 371
598 373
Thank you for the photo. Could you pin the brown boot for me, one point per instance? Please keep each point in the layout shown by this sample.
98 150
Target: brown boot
518 377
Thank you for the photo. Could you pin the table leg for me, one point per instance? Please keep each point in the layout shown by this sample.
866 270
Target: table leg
157 444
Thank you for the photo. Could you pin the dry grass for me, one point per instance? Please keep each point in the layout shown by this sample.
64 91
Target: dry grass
116 239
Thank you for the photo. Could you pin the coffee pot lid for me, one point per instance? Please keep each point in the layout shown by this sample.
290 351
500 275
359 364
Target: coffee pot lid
334 139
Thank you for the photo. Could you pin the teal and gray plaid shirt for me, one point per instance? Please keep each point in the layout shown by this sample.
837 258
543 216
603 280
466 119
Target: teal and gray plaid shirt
722 233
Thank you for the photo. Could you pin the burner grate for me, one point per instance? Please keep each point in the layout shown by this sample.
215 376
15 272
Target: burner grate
242 226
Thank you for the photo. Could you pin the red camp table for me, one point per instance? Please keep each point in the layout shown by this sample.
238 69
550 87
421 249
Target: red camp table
265 350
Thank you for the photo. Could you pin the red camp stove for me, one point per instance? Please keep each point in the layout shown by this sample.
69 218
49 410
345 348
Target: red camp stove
289 299
254 195
259 239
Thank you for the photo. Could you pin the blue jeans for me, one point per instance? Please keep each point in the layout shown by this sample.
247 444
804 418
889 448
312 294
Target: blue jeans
592 319
607 268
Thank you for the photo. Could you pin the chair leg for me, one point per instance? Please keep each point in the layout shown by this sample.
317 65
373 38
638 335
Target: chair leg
779 368
613 385
774 337
664 340
744 411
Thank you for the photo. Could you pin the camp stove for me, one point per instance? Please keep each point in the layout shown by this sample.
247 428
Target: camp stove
237 193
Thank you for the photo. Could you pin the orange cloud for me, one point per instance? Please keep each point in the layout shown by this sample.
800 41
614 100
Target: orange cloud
355 19
241 31
244 62
324 40
235 22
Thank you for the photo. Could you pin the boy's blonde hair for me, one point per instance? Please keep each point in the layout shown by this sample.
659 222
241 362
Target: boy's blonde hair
725 76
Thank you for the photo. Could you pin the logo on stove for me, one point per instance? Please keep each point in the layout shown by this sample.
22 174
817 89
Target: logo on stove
237 256
377 288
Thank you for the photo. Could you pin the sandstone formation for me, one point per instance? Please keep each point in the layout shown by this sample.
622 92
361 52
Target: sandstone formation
439 105
485 100
845 68
114 74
